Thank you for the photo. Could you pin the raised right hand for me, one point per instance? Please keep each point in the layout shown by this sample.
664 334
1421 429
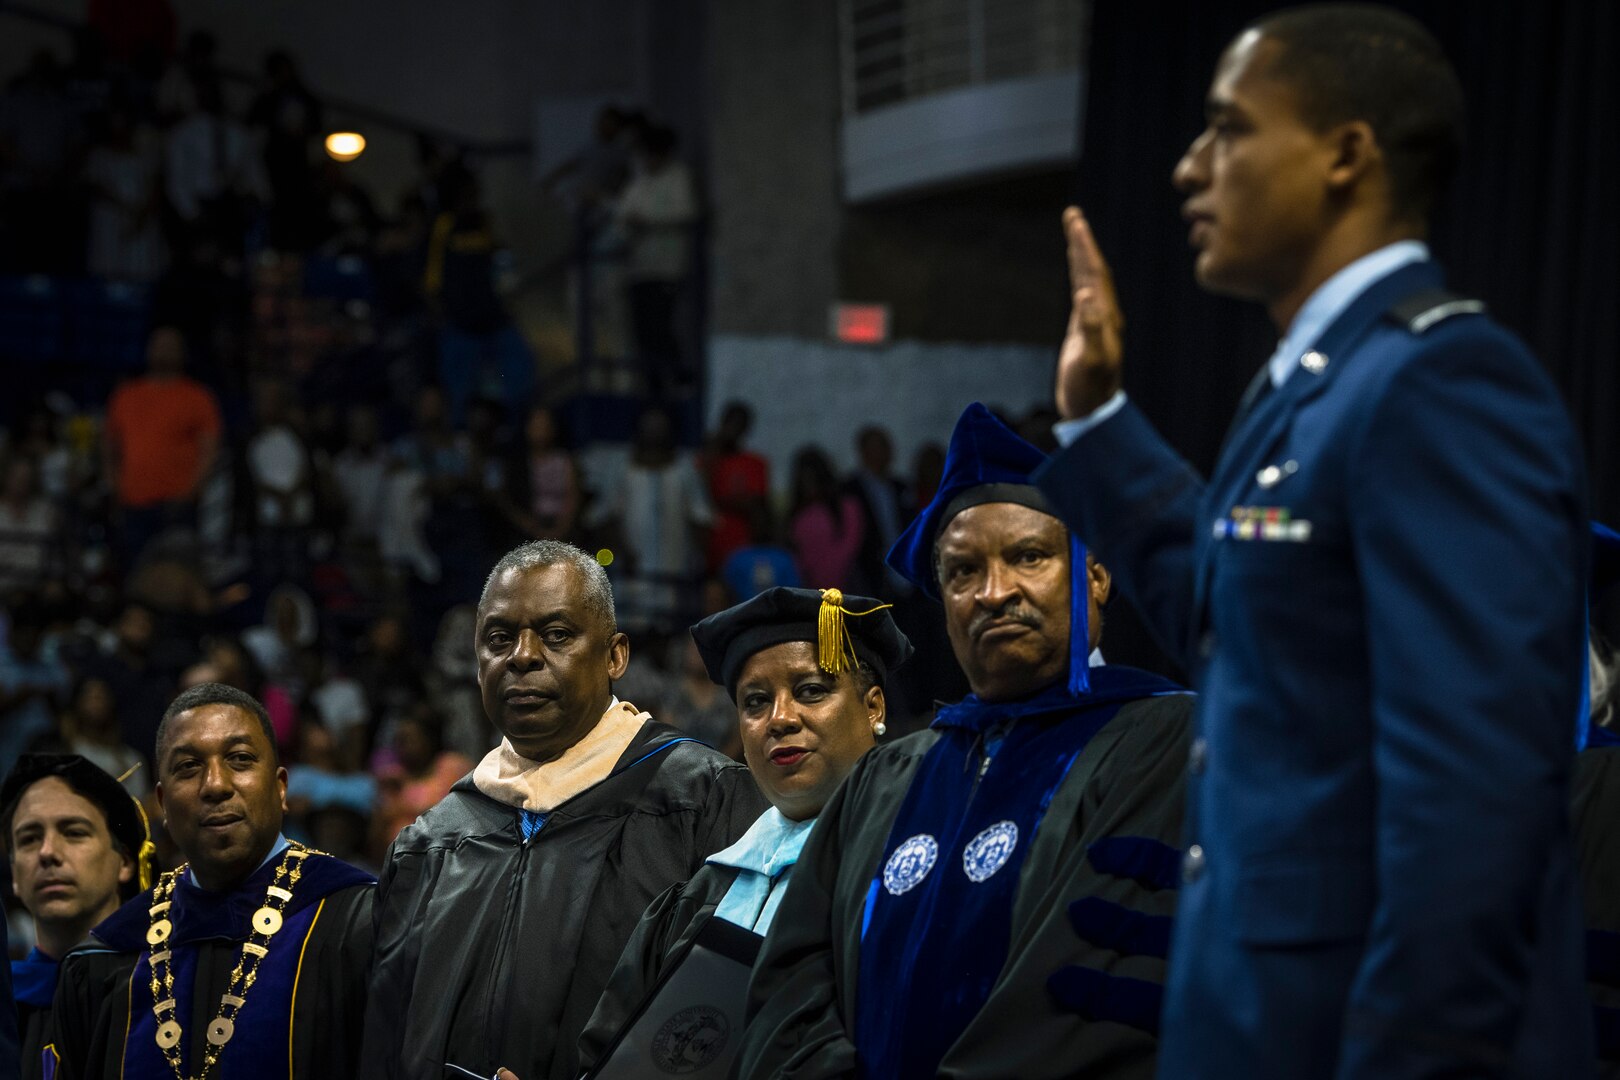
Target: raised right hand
1091 362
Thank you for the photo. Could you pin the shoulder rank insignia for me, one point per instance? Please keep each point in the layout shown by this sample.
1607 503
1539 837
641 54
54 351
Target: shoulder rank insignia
1430 307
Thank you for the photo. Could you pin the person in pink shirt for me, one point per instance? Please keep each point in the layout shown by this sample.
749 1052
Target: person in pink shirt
826 525
421 774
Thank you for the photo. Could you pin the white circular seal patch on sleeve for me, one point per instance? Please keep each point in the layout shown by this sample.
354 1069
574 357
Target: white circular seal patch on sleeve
989 851
909 864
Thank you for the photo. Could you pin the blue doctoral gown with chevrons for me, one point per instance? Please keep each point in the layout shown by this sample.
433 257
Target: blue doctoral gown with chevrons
1076 992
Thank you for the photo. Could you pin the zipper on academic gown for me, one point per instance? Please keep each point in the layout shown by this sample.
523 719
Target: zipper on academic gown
497 970
996 734
510 913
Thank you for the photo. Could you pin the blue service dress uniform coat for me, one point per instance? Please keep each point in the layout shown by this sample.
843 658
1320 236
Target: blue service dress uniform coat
1379 593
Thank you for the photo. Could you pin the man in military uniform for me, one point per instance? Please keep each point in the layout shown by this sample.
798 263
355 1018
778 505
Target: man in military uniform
1379 593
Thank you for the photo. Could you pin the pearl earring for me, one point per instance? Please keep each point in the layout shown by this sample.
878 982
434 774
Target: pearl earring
880 728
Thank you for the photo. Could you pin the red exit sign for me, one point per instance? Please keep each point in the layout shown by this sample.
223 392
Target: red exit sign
860 324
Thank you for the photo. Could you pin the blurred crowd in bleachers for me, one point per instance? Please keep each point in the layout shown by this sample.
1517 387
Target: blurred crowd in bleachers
264 427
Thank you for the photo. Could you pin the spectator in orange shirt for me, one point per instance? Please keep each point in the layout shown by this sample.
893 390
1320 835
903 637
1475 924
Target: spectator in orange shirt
161 439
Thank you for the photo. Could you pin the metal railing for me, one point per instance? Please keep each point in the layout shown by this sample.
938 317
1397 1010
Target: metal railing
896 50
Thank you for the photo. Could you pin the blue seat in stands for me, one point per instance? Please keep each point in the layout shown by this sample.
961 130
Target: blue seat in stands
338 277
33 319
109 324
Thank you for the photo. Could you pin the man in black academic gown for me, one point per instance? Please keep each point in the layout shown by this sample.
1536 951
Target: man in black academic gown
503 909
79 846
250 960
991 897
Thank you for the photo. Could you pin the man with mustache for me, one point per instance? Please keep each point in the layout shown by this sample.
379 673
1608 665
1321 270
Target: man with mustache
991 897
503 910
1379 592
79 847
247 961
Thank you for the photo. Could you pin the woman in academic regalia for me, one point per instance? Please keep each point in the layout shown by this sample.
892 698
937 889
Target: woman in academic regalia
806 668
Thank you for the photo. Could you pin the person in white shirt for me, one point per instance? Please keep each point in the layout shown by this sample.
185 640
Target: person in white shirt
656 214
211 156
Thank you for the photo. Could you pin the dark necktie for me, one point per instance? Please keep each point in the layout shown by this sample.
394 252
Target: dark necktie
1260 387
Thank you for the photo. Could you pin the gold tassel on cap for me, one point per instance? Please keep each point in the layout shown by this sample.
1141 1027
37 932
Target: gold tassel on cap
835 649
147 855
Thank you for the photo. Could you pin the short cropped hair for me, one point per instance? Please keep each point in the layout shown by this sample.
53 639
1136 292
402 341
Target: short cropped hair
1371 63
598 590
864 676
213 693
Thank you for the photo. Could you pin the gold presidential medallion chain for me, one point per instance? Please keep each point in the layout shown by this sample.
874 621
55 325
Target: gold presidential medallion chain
265 923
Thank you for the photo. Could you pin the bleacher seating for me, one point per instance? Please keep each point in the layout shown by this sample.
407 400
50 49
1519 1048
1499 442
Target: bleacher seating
33 319
338 277
108 322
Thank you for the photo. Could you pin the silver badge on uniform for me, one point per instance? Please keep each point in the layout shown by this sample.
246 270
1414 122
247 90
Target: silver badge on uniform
1272 475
